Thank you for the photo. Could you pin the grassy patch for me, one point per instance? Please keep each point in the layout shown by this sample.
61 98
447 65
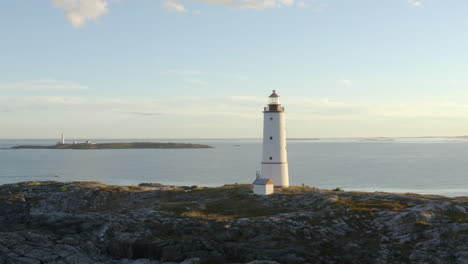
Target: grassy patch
457 216
296 190
240 208
178 208
226 190
39 183
115 188
368 207
16 198
421 225
205 216
220 203
106 188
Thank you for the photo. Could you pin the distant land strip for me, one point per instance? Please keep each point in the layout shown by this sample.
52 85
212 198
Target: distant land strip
129 145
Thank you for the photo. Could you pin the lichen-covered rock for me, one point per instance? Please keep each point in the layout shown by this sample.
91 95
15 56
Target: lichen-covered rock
90 222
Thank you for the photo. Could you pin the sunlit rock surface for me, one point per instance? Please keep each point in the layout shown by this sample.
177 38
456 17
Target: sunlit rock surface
90 222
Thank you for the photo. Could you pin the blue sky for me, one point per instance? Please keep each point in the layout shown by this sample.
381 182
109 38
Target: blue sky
203 68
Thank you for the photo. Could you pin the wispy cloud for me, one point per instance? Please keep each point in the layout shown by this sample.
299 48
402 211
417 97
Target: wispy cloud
79 12
42 85
415 3
226 116
346 83
143 113
302 4
196 81
236 76
298 107
182 72
177 5
53 100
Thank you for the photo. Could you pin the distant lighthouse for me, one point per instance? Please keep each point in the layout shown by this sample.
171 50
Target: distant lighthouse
63 139
275 160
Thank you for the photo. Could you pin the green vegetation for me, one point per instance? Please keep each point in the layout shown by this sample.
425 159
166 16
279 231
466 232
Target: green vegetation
226 190
367 207
240 207
456 216
112 188
206 216
230 202
116 189
129 145
422 225
296 190
220 204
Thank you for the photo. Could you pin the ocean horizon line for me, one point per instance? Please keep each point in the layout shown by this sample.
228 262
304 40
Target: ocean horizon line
244 138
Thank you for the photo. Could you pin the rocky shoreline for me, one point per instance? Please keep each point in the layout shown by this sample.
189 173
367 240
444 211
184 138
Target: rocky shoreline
90 222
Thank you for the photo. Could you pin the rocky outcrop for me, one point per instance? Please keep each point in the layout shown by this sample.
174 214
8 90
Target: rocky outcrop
90 222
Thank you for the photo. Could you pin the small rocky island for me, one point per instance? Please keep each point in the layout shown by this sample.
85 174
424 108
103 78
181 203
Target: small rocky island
129 145
90 222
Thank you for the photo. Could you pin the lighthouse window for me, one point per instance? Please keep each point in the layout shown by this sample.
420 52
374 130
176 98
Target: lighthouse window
271 118
271 138
271 158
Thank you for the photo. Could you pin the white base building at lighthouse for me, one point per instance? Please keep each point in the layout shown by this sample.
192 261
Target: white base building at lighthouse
274 160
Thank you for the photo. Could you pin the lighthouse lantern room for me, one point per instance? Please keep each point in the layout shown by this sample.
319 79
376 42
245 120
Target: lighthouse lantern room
274 161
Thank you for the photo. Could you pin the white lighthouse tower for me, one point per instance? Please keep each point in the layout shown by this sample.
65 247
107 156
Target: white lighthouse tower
275 160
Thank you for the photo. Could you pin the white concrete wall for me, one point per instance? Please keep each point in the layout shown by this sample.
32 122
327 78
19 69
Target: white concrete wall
264 189
277 172
275 168
274 126
270 189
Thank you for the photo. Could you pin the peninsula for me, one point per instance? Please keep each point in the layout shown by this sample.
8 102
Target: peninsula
91 222
119 145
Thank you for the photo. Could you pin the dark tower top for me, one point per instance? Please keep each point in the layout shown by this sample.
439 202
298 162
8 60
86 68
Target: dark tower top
274 103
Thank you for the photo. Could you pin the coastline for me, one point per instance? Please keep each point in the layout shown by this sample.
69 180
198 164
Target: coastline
84 222
116 145
440 170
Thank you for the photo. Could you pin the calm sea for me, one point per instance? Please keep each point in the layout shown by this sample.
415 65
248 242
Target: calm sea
438 166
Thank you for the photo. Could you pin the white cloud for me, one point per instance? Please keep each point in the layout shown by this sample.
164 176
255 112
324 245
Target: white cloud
302 4
42 85
234 116
346 83
175 6
54 100
255 4
247 4
78 12
287 2
298 107
415 3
